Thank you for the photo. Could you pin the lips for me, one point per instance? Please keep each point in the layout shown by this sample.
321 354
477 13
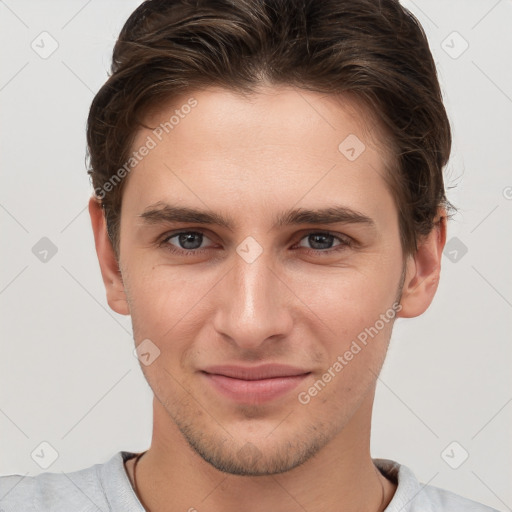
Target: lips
266 371
256 384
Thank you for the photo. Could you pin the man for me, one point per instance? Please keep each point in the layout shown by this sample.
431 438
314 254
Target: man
268 200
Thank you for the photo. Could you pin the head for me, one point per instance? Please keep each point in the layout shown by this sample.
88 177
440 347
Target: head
268 189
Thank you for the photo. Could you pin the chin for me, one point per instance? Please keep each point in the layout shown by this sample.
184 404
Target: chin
257 457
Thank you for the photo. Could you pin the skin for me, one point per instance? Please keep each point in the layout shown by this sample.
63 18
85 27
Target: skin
299 303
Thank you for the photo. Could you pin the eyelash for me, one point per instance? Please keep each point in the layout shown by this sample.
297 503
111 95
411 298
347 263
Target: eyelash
345 242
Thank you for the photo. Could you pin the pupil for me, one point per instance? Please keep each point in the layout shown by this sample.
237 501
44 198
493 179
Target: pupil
188 238
321 239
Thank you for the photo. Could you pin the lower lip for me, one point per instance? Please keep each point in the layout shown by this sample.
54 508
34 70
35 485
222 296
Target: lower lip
254 391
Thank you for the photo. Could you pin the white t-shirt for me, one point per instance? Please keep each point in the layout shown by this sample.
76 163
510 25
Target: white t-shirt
107 488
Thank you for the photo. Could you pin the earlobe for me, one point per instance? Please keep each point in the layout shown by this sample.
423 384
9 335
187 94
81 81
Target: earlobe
423 271
109 265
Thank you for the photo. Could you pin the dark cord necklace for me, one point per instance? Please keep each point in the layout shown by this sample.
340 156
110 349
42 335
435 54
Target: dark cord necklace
135 480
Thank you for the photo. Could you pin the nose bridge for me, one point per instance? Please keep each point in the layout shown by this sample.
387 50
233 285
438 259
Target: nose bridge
255 283
252 307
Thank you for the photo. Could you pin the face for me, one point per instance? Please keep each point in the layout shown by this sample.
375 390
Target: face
271 306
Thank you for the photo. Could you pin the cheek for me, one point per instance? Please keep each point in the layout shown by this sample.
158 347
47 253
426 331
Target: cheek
351 300
358 308
170 306
351 363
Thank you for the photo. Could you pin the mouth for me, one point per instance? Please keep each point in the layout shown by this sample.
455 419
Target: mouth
254 385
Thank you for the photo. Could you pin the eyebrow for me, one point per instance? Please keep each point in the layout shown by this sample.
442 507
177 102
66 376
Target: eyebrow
165 213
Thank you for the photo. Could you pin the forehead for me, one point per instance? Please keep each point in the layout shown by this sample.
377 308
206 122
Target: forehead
281 144
295 114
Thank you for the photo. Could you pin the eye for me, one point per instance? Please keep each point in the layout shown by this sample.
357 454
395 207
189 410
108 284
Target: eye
324 242
185 241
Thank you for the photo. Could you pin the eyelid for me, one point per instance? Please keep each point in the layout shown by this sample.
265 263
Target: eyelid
340 236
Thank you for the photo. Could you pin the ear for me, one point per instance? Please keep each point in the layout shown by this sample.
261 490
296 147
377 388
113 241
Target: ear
423 271
109 266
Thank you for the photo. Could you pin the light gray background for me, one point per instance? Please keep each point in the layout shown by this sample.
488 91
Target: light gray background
68 374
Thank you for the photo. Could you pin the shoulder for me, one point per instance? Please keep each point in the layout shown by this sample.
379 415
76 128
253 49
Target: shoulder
441 499
84 490
51 491
412 496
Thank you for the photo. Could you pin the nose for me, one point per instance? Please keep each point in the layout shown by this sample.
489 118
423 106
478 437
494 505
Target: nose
253 304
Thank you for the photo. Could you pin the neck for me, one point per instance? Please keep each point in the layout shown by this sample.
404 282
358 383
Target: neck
341 476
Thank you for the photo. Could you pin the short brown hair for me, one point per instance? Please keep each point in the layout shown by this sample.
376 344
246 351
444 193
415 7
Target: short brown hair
374 50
